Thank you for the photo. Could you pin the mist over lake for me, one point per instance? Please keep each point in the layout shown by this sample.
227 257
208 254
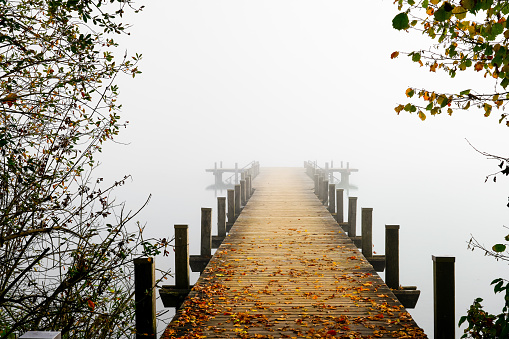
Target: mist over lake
289 81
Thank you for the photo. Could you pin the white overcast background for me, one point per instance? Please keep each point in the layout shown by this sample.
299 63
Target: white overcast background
286 81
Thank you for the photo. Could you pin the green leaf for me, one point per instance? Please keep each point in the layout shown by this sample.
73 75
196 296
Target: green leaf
442 15
425 4
416 57
499 248
504 83
465 92
400 21
468 4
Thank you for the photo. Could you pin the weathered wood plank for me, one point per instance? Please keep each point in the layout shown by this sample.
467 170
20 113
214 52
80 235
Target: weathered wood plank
288 270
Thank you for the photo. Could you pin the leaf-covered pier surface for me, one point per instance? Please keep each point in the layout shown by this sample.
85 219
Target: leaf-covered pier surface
287 270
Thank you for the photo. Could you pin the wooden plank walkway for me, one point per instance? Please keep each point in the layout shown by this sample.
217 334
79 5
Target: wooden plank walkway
287 270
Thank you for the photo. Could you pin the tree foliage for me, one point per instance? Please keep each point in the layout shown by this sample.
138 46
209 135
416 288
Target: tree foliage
482 324
65 246
468 35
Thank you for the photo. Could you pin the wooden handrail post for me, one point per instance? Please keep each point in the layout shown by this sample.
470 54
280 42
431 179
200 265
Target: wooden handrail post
443 297
181 256
221 216
206 232
320 187
248 187
392 256
316 180
145 298
332 198
238 206
325 191
231 205
352 216
243 192
367 232
339 205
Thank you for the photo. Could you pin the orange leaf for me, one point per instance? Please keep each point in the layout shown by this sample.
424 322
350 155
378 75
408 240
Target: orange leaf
91 304
394 55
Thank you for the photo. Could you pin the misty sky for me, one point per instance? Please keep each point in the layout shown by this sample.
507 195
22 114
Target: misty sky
285 81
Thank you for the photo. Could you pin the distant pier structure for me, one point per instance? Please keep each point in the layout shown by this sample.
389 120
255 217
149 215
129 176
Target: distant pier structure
235 174
329 171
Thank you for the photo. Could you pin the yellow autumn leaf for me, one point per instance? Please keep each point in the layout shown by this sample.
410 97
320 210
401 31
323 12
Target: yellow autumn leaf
487 109
422 116
435 2
459 12
449 111
399 108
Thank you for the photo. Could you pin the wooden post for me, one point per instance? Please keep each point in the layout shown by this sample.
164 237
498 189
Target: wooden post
316 176
145 298
320 187
181 256
367 232
332 198
325 192
248 187
206 232
339 205
443 297
231 206
243 192
392 256
238 207
352 216
221 216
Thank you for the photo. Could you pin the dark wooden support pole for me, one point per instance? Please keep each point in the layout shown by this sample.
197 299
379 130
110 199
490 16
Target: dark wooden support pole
332 198
443 297
238 207
316 180
243 192
206 232
221 216
320 187
392 256
181 256
199 262
339 206
325 192
352 216
248 187
367 232
145 298
231 209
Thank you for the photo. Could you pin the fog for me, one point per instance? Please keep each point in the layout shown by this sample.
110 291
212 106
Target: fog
286 81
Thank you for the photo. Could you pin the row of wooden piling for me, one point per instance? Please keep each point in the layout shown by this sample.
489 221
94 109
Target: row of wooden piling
443 266
333 199
228 210
173 295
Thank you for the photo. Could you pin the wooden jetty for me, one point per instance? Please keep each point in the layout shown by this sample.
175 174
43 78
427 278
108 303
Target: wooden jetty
288 270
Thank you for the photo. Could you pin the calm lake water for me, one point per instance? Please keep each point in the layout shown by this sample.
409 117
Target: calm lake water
437 215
